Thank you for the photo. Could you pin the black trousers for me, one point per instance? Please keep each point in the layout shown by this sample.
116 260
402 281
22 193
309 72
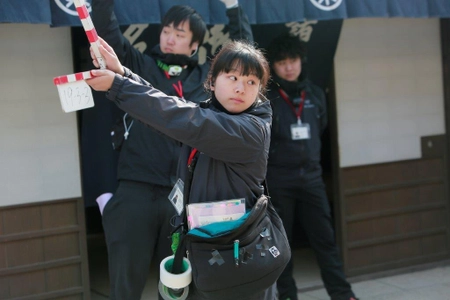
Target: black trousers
137 227
309 204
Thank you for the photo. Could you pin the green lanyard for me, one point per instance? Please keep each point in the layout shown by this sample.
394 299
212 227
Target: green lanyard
171 70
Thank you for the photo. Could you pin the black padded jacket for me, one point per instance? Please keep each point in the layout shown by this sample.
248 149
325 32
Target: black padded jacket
296 162
233 147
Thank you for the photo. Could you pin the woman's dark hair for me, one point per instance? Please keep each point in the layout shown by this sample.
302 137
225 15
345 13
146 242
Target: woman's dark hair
181 13
286 46
243 56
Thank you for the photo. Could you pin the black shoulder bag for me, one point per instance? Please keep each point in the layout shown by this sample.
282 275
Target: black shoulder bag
235 259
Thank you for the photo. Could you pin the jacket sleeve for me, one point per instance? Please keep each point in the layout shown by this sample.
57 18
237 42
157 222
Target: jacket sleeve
129 74
108 28
233 138
239 26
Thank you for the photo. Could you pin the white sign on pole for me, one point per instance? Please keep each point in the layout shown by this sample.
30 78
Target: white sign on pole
74 92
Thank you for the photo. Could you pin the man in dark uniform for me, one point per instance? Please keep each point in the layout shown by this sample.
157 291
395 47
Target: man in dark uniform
137 219
294 173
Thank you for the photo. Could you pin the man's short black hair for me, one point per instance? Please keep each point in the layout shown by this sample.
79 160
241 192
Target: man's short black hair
180 13
286 46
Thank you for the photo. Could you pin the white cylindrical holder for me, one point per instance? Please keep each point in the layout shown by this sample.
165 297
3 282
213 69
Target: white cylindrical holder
175 281
171 282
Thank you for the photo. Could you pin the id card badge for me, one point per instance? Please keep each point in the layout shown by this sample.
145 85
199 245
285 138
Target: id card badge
300 131
176 196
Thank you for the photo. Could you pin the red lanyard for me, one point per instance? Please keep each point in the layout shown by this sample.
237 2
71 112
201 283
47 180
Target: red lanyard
298 112
178 88
191 156
167 74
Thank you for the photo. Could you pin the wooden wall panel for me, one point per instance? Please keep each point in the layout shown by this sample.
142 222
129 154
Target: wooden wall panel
3 257
396 214
61 246
43 253
24 252
4 288
25 284
63 278
59 215
23 219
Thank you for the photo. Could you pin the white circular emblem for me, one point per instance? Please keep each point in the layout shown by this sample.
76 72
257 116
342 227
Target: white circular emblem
326 4
69 7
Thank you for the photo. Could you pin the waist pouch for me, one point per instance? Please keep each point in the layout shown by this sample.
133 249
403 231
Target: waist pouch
219 268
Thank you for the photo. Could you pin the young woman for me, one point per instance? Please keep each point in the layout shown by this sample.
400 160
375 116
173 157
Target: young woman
147 160
230 131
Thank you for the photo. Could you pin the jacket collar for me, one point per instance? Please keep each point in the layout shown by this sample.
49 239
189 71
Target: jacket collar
174 59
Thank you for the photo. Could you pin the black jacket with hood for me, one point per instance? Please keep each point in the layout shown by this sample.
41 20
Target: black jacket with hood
233 147
146 155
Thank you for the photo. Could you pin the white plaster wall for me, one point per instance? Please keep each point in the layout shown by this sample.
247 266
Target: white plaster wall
389 89
39 158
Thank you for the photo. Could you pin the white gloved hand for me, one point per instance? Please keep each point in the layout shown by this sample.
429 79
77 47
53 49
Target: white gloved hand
230 3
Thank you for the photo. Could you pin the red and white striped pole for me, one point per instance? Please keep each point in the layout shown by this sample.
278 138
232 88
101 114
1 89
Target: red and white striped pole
89 28
74 92
72 78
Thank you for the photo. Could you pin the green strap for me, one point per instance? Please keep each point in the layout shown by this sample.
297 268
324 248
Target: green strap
162 65
172 70
175 242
